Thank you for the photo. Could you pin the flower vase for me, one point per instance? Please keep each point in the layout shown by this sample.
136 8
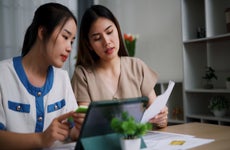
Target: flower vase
131 47
130 144
219 113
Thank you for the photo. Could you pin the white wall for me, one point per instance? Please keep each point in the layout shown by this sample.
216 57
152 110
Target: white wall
158 23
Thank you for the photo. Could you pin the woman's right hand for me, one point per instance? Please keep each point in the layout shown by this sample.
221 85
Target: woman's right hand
57 130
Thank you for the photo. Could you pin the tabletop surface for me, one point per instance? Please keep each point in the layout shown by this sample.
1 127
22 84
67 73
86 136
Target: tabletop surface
220 133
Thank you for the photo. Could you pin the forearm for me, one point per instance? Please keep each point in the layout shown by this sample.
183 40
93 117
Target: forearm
152 96
10 140
86 103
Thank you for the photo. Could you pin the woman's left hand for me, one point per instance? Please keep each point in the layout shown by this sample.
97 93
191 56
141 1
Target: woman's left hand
161 119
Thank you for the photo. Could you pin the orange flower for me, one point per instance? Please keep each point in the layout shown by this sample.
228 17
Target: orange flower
130 43
128 37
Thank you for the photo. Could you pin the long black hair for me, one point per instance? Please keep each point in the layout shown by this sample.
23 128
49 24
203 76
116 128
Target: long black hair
48 16
85 56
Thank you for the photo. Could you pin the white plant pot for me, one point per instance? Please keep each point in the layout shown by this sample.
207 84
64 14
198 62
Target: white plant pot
219 113
130 144
228 85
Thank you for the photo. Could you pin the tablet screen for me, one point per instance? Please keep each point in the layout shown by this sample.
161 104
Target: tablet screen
100 113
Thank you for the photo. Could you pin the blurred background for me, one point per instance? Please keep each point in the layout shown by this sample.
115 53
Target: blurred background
157 22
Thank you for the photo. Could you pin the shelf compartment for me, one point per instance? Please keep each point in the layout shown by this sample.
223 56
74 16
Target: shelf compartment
208 14
198 55
195 61
192 18
215 16
197 103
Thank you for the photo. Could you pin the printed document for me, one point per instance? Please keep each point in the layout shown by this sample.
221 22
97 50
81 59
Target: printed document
157 140
158 104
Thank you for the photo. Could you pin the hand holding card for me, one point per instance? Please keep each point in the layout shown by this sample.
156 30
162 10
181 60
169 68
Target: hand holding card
80 109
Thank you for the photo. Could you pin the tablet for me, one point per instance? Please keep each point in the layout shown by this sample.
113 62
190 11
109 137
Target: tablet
100 114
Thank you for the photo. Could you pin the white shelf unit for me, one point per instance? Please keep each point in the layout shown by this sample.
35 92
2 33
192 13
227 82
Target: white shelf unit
211 50
175 101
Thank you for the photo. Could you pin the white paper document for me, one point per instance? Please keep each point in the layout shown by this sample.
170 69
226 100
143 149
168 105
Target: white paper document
158 104
156 140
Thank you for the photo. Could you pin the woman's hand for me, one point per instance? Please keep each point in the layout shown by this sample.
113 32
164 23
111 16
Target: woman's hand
161 119
78 120
57 130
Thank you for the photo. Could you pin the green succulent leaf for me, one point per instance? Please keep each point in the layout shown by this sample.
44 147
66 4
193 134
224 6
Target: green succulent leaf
128 127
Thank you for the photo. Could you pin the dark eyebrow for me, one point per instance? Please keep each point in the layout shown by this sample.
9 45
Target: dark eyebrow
68 31
95 34
108 27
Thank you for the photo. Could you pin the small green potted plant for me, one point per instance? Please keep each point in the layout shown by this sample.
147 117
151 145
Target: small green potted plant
228 82
218 105
130 130
209 75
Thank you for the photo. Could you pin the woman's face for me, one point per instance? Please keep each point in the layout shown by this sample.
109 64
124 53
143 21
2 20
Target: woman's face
104 39
60 43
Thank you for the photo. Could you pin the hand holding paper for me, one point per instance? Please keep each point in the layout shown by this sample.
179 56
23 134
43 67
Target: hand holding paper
158 104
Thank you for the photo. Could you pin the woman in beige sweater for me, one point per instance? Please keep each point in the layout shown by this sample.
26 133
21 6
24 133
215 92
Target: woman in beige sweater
103 69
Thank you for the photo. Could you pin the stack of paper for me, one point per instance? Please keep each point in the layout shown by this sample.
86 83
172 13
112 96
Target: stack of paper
156 140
